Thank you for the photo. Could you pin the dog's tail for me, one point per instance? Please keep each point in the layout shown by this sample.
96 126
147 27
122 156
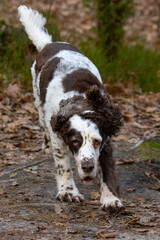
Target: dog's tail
34 23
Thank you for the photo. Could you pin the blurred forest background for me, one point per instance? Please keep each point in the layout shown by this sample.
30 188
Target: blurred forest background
122 37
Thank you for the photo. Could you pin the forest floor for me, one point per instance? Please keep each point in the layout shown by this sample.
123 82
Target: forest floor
28 207
74 19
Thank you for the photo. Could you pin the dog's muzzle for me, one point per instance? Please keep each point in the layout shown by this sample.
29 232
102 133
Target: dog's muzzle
87 165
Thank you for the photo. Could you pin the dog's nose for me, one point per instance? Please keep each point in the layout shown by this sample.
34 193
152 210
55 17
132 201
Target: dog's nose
87 165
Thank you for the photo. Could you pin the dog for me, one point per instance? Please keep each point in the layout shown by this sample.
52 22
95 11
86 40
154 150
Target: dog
75 112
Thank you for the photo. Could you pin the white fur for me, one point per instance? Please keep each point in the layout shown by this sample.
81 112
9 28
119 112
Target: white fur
34 25
69 61
89 132
107 198
72 61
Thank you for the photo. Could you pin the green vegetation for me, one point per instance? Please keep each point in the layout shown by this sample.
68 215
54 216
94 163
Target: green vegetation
148 150
16 54
115 61
133 64
111 17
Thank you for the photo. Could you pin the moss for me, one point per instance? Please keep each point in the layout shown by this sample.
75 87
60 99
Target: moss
154 145
149 151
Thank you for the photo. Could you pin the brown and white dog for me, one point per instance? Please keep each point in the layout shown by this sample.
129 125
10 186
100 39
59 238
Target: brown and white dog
75 112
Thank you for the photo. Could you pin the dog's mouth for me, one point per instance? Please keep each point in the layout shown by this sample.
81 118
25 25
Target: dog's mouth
87 179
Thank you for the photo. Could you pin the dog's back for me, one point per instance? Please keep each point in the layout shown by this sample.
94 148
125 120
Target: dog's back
60 70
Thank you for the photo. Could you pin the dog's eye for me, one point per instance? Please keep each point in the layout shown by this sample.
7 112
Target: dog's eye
96 143
75 143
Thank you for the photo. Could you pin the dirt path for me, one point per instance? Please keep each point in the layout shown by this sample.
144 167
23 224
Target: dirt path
28 208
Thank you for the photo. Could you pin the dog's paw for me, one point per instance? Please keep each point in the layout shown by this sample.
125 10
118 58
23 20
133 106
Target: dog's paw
112 205
70 197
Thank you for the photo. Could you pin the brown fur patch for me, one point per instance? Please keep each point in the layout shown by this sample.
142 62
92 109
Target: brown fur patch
80 80
49 51
106 115
46 76
68 108
72 136
107 165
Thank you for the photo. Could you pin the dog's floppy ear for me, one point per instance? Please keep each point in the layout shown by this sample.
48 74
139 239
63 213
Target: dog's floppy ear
65 112
58 121
107 115
68 108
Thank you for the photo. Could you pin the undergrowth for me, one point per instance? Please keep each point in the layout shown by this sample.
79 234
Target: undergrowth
111 17
17 54
133 63
14 55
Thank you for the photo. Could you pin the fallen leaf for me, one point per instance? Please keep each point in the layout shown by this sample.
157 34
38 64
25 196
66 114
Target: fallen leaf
132 221
30 108
152 176
13 175
155 188
125 161
151 109
64 216
57 208
94 214
71 231
91 203
13 91
1 192
5 118
9 162
121 138
36 149
15 184
108 235
2 107
59 224
138 125
41 228
94 195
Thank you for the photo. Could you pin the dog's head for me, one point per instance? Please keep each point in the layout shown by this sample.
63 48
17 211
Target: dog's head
84 140
85 124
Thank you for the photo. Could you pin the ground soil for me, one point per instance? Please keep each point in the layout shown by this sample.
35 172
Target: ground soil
29 209
28 205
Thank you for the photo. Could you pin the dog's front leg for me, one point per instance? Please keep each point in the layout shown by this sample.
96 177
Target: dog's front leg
67 190
108 186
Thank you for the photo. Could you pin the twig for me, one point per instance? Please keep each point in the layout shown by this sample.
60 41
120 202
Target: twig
91 203
25 166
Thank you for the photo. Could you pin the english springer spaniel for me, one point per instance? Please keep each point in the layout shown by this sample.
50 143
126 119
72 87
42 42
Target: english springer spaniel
75 112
